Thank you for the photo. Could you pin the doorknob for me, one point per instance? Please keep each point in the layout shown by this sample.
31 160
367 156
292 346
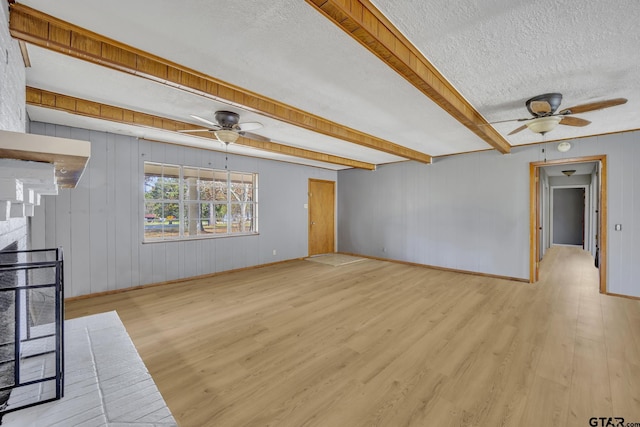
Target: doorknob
313 223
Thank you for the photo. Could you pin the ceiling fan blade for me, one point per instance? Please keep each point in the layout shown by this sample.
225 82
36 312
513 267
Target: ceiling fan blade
510 120
592 106
254 136
249 126
195 130
574 121
520 129
540 107
209 122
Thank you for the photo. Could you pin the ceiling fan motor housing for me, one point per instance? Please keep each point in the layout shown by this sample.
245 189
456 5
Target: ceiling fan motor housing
553 101
227 119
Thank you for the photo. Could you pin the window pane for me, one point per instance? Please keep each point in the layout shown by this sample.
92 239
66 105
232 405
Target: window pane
198 184
249 218
207 219
241 217
198 219
192 219
206 190
170 182
153 220
221 218
171 171
170 188
237 192
242 187
220 190
206 174
160 221
190 172
190 189
171 223
152 181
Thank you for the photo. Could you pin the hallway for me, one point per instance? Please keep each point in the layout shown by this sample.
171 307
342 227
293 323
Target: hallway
591 356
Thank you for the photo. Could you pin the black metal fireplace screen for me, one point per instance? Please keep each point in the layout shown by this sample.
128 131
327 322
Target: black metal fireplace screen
31 328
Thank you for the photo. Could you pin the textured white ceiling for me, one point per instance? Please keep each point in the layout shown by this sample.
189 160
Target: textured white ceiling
499 53
105 85
496 53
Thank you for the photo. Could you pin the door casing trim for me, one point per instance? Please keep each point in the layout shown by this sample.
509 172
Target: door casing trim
603 208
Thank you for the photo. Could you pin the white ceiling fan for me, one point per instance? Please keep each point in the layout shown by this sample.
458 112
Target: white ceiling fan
227 128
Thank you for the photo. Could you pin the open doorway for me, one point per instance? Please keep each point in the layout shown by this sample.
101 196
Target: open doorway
584 180
569 216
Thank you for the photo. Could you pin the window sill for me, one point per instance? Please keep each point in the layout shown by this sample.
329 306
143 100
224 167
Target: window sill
188 239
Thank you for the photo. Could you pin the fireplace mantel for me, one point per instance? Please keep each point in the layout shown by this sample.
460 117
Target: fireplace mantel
69 156
32 166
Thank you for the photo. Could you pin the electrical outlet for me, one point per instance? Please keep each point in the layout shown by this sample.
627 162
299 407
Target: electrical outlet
618 227
274 251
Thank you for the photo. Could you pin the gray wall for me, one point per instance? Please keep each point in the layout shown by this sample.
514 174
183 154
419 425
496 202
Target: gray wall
454 213
568 216
99 223
471 212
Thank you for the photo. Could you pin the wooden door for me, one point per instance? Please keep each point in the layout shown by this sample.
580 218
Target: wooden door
321 216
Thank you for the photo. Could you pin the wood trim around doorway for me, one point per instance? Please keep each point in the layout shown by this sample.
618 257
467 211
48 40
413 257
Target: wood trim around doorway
602 230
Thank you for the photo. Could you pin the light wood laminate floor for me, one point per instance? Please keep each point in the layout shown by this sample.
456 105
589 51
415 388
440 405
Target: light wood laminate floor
380 343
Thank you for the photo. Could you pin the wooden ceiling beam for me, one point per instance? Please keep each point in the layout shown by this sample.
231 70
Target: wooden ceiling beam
96 110
367 25
45 31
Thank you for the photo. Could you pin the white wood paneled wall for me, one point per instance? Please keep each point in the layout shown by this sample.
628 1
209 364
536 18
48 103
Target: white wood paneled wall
99 223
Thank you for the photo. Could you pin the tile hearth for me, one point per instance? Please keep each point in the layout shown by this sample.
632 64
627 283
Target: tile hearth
106 382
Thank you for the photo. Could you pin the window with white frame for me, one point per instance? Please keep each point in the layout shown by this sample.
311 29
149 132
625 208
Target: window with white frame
183 202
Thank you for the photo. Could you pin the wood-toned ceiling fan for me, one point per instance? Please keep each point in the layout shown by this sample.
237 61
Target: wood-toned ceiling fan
543 109
227 127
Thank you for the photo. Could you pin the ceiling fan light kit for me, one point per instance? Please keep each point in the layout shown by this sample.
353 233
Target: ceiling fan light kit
543 125
226 136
